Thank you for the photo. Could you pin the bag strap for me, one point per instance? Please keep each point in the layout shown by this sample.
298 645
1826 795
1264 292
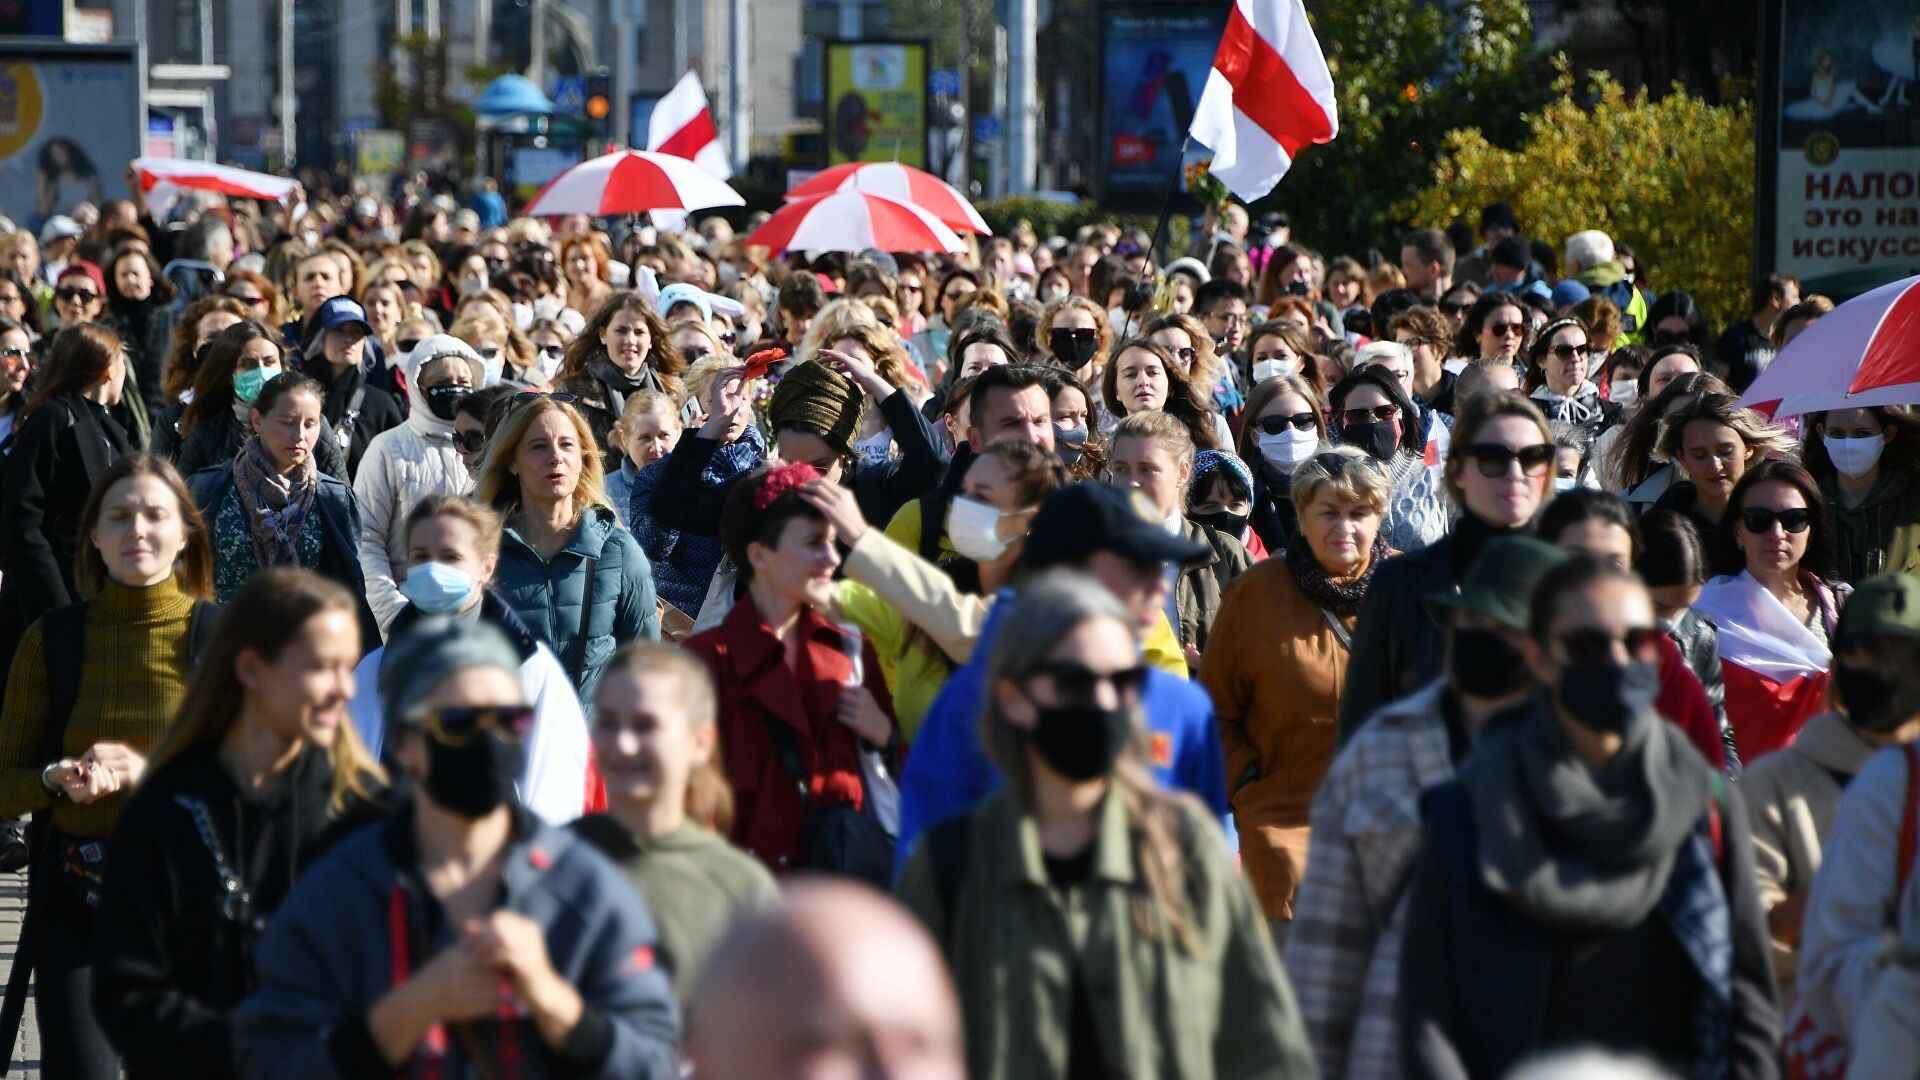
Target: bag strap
1909 820
579 665
63 640
787 749
1340 630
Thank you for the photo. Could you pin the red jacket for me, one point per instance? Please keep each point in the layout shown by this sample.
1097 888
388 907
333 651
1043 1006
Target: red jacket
1683 701
757 688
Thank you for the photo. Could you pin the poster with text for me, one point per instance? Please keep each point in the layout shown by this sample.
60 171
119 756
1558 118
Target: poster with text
876 102
71 119
1155 63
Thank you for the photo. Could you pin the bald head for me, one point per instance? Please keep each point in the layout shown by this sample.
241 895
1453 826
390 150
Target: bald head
836 981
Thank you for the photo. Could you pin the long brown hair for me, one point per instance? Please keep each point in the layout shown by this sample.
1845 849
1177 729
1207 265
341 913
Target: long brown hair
1186 402
213 381
585 348
193 570
79 359
181 362
265 616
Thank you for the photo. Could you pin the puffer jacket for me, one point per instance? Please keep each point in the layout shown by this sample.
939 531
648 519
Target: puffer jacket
1197 595
549 593
403 465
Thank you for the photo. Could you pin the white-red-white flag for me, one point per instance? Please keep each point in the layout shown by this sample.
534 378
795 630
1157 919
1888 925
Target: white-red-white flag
682 125
1268 95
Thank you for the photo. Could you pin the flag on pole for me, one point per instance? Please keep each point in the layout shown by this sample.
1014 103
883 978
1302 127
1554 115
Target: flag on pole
1268 95
682 125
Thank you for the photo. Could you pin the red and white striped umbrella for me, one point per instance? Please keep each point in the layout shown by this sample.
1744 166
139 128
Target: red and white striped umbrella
632 182
854 221
903 183
1865 352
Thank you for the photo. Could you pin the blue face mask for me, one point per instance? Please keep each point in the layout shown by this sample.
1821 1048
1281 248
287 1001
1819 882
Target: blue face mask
437 589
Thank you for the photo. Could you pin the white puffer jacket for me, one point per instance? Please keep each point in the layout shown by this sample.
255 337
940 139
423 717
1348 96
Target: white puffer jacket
402 466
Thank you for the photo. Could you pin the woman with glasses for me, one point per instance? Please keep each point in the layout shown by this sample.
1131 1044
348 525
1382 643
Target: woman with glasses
624 349
1868 464
549 337
1285 426
255 779
1145 377
16 367
1279 660
1425 333
407 463
1715 442
1498 473
1587 878
1192 347
1557 378
1495 327
1372 413
1775 603
1164 958
257 293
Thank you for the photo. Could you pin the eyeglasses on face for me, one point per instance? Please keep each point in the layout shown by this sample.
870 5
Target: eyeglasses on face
1379 414
470 441
456 725
1186 353
1455 307
14 357
1274 425
1593 647
1078 333
1760 521
406 344
552 351
1507 329
1493 459
252 301
1568 352
1075 683
74 295
491 352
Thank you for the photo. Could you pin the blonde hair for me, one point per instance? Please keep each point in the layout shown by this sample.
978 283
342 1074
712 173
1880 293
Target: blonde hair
699 378
500 489
1164 428
831 323
644 403
709 798
882 344
474 324
484 519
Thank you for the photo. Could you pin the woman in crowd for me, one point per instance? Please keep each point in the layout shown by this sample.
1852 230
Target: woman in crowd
1145 377
1673 563
1715 442
1279 661
216 423
1186 976
1666 363
91 690
656 740
254 780
1496 327
1558 364
1192 347
1275 350
20 301
877 348
566 566
1775 604
1073 334
16 367
139 300
257 294
623 350
486 333
1589 847
386 307
1220 495
685 561
1153 452
1284 427
647 429
549 338
1374 415
407 463
199 324
955 285
1868 464
62 449
584 263
1629 455
1676 318
1428 339
272 506
804 710
1497 475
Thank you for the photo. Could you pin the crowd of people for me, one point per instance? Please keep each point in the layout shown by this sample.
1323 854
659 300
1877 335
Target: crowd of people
552 647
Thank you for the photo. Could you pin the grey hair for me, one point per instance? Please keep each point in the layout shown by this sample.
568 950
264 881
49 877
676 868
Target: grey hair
1375 351
1045 611
1587 250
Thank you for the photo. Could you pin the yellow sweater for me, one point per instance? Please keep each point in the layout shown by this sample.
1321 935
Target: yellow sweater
134 668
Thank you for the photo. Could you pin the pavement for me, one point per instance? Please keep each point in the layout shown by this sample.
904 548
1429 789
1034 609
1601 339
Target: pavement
13 908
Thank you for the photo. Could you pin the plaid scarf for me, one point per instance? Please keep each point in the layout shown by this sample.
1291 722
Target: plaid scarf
276 506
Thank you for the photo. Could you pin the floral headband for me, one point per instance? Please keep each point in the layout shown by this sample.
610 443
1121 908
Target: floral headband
781 479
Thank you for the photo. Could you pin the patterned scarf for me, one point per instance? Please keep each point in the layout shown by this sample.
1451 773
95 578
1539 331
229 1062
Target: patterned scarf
276 506
1343 596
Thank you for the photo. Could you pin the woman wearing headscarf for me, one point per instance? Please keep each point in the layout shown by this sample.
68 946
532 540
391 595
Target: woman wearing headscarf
1220 494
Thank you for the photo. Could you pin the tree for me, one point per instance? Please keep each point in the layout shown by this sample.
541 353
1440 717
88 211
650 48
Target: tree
1671 177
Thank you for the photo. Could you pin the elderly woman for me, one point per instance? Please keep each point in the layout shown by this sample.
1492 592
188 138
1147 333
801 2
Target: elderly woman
1278 661
1373 414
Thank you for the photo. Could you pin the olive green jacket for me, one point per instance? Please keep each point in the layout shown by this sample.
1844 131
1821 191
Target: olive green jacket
1013 942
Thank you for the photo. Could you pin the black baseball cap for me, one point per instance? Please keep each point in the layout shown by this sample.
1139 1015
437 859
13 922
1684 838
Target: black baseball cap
1081 519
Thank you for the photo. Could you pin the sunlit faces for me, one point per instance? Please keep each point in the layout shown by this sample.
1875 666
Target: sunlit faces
1144 464
132 277
1339 530
345 344
318 280
1023 414
1503 332
1667 369
1072 318
1102 646
692 343
290 430
987 481
302 694
141 532
1176 341
549 458
77 300
451 541
1227 322
1140 381
1070 408
645 741
1714 457
470 435
650 437
952 293
1607 541
16 361
800 564
627 340
1510 498
1565 361
979 356
1218 496
1778 543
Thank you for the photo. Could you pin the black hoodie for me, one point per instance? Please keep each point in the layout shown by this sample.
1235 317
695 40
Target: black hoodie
174 951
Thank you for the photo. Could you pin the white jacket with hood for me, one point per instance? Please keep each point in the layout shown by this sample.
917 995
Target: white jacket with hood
402 466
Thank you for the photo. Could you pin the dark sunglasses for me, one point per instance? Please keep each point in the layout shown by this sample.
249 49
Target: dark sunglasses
406 344
1760 521
728 337
70 294
491 352
1187 354
1494 459
1379 414
554 351
1594 647
1568 352
1503 329
255 301
455 725
1455 307
470 441
1274 425
694 356
1074 682
1078 333
527 397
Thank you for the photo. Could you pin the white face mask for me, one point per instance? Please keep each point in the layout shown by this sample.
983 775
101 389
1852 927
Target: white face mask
973 527
1273 369
1623 392
1289 448
1855 457
1564 484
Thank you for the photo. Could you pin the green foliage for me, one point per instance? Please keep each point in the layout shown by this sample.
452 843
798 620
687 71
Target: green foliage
1672 178
1052 218
1404 72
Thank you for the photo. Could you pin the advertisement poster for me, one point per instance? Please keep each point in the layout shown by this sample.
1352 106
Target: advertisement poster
876 102
1155 63
1846 204
70 119
378 152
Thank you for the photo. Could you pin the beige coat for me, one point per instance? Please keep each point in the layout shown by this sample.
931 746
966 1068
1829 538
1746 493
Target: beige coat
1792 796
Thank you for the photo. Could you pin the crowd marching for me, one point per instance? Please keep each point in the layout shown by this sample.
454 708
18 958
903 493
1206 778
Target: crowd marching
448 644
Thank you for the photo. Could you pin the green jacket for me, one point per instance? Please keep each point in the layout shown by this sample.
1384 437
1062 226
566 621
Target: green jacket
1013 942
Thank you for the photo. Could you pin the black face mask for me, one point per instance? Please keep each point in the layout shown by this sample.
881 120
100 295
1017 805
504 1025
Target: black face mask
1610 698
1867 698
477 777
1486 665
1067 443
1377 439
1225 521
1073 350
443 399
1081 742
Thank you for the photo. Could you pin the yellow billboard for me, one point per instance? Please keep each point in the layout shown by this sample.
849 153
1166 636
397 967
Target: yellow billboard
875 102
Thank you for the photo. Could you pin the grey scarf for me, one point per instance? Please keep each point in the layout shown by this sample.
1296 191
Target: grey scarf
1577 849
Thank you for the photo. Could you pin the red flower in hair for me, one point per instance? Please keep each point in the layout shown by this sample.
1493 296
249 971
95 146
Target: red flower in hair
780 480
762 362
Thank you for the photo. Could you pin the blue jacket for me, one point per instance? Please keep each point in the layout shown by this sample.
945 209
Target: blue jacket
947 772
549 594
329 954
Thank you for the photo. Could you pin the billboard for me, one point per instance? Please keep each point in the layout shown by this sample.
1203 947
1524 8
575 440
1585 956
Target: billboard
1840 143
1154 63
71 118
875 104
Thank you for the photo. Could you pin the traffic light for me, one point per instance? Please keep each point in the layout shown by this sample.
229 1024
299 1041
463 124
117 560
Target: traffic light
599 100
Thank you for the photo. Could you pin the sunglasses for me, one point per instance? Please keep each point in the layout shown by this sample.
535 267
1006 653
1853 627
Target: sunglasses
905 287
254 301
406 344
1494 459
1187 354
1076 332
470 441
1074 682
70 294
14 358
1274 425
553 351
1760 521
1568 352
1455 307
729 337
1594 647
1379 414
1507 328
694 356
456 725
527 397
491 352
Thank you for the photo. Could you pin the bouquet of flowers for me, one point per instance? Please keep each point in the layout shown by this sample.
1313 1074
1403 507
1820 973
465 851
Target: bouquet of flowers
1203 185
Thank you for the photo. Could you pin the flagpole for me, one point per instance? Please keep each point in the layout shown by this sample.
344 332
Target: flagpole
1166 212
